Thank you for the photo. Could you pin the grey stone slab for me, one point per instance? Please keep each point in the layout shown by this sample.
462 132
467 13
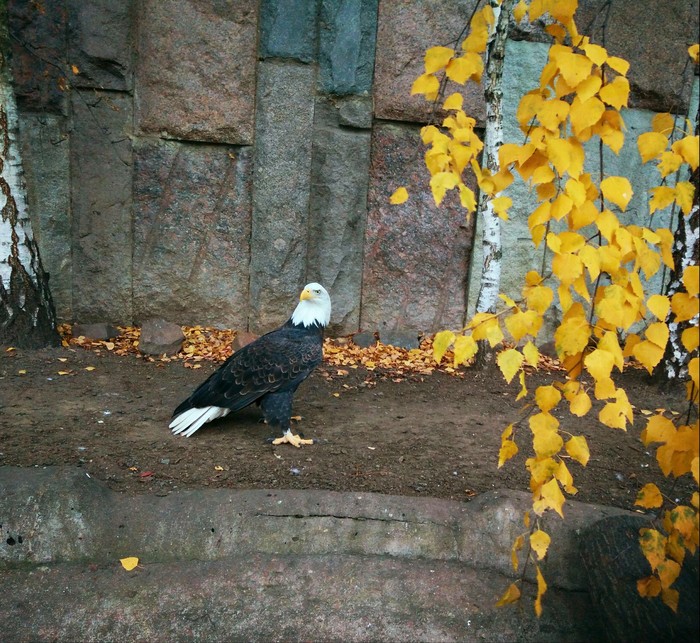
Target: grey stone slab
38 41
101 181
338 214
654 38
416 254
406 29
347 46
195 78
100 43
45 152
279 241
288 29
192 222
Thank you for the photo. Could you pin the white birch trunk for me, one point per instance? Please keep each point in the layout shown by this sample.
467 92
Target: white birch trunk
27 317
493 139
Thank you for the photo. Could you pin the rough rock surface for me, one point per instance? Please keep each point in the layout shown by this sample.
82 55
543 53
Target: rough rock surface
101 331
288 29
160 337
196 74
224 563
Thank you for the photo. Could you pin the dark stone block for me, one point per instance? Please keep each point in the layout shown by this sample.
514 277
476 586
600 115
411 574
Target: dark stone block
288 29
364 339
614 561
346 46
101 331
407 339
160 337
100 43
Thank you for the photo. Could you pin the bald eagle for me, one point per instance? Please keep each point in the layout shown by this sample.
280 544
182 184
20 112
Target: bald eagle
266 371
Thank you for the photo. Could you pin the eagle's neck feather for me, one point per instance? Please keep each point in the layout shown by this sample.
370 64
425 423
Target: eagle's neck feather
310 313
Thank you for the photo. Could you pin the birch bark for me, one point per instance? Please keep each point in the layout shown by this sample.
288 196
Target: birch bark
27 317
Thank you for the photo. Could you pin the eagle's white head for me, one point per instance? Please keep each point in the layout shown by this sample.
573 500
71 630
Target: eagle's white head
314 306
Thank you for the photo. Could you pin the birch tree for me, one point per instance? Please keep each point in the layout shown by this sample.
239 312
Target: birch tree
27 316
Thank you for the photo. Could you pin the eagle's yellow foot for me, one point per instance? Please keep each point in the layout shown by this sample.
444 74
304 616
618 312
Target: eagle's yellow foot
292 439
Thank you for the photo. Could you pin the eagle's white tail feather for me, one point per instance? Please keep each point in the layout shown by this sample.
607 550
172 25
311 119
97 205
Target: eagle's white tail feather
191 420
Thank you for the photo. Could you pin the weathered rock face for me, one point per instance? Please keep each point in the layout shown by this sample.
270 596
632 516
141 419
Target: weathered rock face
196 72
192 221
160 337
415 254
282 153
101 176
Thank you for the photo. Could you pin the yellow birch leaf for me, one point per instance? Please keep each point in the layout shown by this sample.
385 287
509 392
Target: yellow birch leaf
691 280
500 206
129 563
589 87
599 364
663 124
519 11
568 267
507 451
509 361
616 94
511 595
687 147
580 404
440 183
668 572
517 546
441 342
658 429
547 397
684 306
694 52
669 163
547 443
690 338
617 190
520 324
649 497
648 354
610 344
577 448
453 101
559 152
539 298
532 354
436 58
464 349
649 587
684 520
563 475
539 541
553 113
661 197
650 145
658 334
541 469
494 335
620 65
466 67
584 114
425 84
659 305
467 198
523 388
550 497
617 414
399 196
684 196
572 335
574 68
597 54
541 589
670 598
610 306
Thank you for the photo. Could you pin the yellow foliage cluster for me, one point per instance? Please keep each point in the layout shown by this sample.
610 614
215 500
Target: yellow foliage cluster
597 264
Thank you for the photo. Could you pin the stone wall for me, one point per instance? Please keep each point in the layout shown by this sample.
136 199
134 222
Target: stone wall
200 160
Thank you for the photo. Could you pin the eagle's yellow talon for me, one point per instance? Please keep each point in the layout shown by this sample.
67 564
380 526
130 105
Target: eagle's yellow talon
290 438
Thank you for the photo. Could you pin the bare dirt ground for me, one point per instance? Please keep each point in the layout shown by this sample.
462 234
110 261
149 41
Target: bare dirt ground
426 435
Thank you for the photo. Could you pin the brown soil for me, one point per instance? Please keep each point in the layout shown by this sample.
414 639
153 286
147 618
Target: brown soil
435 435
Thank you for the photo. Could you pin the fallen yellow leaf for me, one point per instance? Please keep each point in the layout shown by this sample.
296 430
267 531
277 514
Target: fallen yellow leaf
129 563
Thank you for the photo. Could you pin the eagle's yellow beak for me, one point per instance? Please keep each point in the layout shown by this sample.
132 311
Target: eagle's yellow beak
305 294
